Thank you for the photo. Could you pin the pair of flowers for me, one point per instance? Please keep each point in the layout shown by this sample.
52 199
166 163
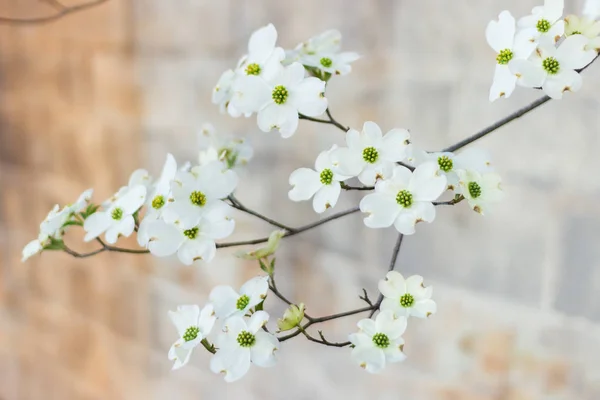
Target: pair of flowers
241 340
527 54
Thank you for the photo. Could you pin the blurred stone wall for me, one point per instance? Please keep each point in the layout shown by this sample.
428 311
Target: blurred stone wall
86 100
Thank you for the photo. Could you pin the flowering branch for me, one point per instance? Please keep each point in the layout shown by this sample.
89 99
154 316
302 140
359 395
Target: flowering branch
330 121
62 11
391 267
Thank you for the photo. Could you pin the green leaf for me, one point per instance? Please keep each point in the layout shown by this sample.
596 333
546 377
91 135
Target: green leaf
73 222
259 306
55 244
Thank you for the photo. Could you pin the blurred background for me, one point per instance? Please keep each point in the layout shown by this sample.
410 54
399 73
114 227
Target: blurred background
87 99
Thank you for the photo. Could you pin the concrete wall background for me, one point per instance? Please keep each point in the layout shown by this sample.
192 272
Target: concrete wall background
86 100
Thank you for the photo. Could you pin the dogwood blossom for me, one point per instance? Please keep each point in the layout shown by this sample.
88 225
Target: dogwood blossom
544 25
554 68
194 192
193 325
585 26
370 155
378 342
501 37
263 56
325 43
137 177
228 302
231 151
406 297
322 183
223 92
279 100
480 190
242 343
192 241
116 220
331 63
404 199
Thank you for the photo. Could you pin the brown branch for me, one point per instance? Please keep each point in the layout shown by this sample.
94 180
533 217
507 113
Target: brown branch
391 267
62 12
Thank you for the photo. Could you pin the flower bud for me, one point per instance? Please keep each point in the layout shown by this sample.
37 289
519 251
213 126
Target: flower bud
266 251
291 317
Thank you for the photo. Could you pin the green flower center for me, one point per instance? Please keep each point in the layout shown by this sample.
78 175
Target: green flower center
253 69
280 94
404 198
407 300
326 176
551 65
474 189
381 340
246 339
543 25
242 302
158 202
117 214
191 333
445 163
326 62
576 33
191 233
198 198
504 56
370 155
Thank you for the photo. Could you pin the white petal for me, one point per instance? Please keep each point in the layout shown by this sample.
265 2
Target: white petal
426 183
523 45
393 353
307 97
553 9
184 317
394 306
371 132
234 325
504 82
389 289
195 250
290 76
395 145
233 363
207 319
131 201
571 53
282 117
256 288
500 34
215 182
180 354
556 85
124 227
164 239
263 351
32 248
224 300
401 178
391 326
367 326
250 94
326 197
360 339
346 161
405 222
305 183
96 224
528 74
139 177
382 210
422 308
262 43
370 358
414 284
257 321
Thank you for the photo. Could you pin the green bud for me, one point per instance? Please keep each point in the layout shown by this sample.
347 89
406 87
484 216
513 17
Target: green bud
263 252
292 317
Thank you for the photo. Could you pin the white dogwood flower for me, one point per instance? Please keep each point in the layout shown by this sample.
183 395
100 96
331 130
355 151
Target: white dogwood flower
232 151
193 192
193 325
279 100
406 297
242 343
378 342
370 155
332 63
404 199
322 183
544 25
554 68
585 26
192 241
501 37
263 58
480 190
223 93
228 302
116 220
327 42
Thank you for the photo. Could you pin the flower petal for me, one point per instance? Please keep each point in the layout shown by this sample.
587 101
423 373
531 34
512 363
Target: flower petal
124 227
164 239
556 85
326 197
224 300
195 250
257 321
96 224
395 145
308 97
305 183
262 42
500 34
367 325
426 183
504 82
528 73
382 210
263 351
388 324
422 308
572 53
233 363
370 358
256 289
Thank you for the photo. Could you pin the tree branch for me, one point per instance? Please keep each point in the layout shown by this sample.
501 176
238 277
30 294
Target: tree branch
235 203
391 267
330 121
62 11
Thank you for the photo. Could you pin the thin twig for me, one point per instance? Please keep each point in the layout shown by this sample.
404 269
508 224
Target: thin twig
391 267
61 13
334 122
330 121
347 187
235 203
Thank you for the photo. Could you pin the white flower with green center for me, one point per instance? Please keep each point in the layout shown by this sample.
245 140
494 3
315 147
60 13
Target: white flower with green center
544 25
223 93
406 297
322 183
194 192
137 177
242 343
158 198
327 42
405 198
585 26
334 64
193 325
116 220
378 342
228 302
192 241
370 155
263 58
480 190
231 151
554 68
279 100
501 37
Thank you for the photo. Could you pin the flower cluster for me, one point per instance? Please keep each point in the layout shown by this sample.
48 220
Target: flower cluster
277 88
542 50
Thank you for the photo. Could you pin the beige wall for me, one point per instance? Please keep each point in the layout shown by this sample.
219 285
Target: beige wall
86 100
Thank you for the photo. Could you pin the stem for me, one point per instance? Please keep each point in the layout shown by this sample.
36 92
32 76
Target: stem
235 203
330 121
63 12
395 253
